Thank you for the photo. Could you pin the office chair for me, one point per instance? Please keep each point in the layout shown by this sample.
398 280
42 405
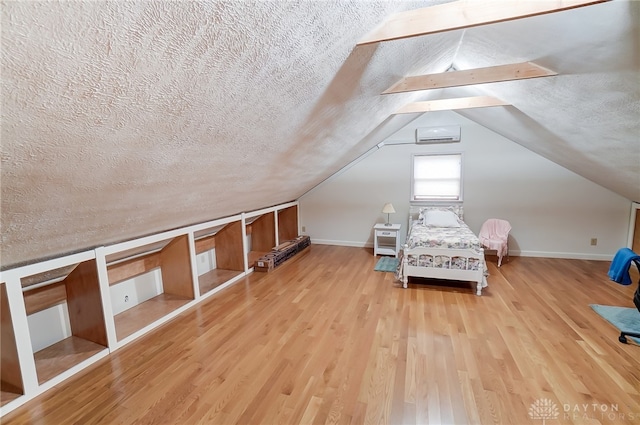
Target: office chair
619 272
636 300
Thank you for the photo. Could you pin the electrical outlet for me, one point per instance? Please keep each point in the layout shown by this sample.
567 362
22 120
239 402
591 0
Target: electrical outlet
126 298
594 241
304 228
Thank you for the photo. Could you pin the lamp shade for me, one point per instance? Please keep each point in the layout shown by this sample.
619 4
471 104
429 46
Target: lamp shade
388 209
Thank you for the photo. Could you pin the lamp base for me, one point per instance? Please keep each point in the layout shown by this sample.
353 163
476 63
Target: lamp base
388 224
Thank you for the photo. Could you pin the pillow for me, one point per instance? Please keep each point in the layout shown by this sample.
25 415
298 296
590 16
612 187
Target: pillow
456 209
439 218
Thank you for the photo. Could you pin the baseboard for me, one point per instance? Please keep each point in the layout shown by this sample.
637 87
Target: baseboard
566 255
342 243
514 253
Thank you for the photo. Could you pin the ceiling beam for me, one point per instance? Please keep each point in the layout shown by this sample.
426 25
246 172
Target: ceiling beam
492 74
464 14
451 104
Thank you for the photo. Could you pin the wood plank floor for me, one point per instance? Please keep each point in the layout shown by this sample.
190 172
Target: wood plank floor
326 340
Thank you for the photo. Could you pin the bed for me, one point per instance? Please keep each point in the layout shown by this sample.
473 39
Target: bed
440 245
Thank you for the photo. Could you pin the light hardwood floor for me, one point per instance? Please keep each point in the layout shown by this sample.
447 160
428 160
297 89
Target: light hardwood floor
324 339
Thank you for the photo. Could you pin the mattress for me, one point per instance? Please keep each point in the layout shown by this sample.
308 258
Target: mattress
443 237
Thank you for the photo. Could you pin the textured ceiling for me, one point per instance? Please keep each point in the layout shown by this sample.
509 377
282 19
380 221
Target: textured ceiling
121 119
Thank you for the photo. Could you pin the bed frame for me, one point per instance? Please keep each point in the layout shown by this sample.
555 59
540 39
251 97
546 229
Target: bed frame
445 272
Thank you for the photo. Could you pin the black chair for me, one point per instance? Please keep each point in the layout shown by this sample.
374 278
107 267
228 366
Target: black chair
636 300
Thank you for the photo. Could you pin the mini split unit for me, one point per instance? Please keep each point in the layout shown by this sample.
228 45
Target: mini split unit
443 134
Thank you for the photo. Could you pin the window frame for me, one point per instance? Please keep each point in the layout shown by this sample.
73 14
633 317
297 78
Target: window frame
460 198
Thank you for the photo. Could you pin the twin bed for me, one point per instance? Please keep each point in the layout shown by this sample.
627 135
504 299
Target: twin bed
440 245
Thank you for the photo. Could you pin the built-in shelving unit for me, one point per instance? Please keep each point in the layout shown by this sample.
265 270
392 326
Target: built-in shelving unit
11 383
53 325
148 282
75 292
261 235
219 255
288 223
269 227
60 316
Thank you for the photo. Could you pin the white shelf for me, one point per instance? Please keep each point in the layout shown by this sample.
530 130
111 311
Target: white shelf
82 284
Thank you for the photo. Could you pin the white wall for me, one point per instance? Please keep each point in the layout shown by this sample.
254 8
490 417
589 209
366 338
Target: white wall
206 261
46 327
131 292
554 212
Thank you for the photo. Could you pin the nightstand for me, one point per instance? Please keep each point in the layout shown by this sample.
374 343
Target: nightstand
386 240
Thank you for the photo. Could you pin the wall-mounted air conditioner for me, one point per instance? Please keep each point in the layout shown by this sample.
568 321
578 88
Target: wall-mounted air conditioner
442 134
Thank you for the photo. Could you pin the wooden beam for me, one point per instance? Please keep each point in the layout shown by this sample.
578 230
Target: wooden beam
464 14
451 104
491 74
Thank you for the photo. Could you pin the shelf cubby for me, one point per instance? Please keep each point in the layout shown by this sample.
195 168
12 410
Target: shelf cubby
75 291
61 315
261 235
287 223
11 384
156 280
220 249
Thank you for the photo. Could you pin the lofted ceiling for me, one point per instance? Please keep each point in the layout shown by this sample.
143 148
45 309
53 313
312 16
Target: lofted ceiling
122 119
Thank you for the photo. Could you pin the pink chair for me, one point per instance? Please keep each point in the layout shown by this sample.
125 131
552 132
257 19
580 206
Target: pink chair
494 234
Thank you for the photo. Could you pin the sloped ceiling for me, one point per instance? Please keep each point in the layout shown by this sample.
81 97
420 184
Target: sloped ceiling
121 119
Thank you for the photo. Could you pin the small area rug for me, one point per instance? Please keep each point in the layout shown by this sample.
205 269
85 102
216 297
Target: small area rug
386 264
623 318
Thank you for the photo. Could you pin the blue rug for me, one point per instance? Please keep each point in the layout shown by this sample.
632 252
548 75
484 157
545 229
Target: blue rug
623 318
386 264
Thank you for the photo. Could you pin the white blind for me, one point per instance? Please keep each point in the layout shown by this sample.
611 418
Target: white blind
437 177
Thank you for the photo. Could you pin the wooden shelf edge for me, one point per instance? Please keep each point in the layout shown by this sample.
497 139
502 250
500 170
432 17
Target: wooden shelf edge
144 314
217 277
7 397
57 358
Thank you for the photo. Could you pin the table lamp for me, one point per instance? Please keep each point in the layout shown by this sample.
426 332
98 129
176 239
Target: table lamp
388 209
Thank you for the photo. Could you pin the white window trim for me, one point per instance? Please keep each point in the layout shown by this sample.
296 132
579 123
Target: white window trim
413 201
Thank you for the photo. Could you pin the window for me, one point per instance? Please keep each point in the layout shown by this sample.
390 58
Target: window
437 177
